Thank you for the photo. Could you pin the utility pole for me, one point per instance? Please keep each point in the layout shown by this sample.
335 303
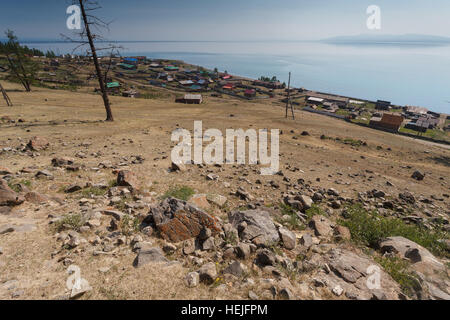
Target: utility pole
288 102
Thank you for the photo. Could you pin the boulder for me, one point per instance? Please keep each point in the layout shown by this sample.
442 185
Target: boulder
149 255
342 233
35 197
192 279
423 260
200 201
321 225
243 250
407 197
235 268
217 199
306 201
9 197
419 176
354 274
208 273
265 257
177 220
127 178
259 226
178 167
289 238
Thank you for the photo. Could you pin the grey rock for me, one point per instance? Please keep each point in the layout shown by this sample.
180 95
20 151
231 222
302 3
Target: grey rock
260 226
192 279
418 255
243 250
188 246
235 268
306 201
208 273
417 175
321 225
209 244
289 238
285 294
151 255
252 295
113 213
306 240
265 257
6 229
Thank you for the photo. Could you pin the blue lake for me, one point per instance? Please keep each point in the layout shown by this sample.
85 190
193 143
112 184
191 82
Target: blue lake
416 75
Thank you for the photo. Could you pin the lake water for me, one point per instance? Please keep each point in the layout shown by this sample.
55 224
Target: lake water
416 75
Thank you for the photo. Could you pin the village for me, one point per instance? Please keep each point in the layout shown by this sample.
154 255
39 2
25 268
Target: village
140 77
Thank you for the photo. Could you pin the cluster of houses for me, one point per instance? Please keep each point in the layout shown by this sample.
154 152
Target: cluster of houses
416 118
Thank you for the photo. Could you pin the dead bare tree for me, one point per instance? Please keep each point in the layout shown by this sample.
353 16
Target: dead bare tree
87 37
110 63
5 96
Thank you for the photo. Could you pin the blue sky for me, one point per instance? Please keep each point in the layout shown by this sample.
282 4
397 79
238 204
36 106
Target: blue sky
231 19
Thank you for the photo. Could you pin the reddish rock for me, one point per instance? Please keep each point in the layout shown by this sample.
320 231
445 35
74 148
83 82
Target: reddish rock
127 178
177 220
38 143
8 197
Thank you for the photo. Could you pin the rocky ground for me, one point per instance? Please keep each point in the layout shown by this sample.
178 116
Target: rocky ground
102 202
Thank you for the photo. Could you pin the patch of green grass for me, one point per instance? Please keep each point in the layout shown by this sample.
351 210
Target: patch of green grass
179 192
129 225
315 210
342 112
112 183
96 191
435 134
398 270
353 142
122 204
15 185
294 223
231 238
71 221
369 228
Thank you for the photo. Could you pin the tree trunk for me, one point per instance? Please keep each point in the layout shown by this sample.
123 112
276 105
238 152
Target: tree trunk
109 115
5 95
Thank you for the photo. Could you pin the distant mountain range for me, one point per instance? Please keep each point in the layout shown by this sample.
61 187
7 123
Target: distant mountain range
388 39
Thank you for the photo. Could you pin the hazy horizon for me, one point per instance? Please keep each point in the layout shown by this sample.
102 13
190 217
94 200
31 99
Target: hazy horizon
252 20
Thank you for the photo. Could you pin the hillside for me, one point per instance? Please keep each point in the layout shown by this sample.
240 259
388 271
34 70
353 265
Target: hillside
305 233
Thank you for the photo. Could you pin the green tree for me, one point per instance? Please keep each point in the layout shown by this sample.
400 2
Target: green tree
22 67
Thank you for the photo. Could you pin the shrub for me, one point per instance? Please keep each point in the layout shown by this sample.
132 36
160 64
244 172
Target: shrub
369 228
72 221
129 225
293 222
315 210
